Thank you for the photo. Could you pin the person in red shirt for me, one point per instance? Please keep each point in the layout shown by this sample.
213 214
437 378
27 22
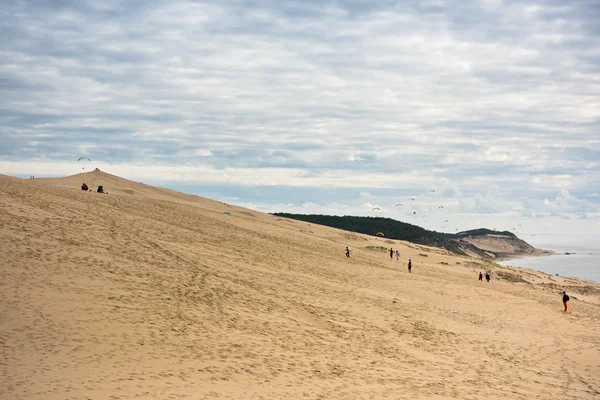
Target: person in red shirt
565 299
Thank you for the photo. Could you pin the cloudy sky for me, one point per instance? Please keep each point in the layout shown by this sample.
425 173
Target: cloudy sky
317 106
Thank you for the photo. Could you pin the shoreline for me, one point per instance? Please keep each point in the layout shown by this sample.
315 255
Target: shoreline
520 256
567 281
564 274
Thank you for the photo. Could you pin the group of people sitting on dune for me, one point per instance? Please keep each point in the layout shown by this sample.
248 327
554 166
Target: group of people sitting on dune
85 187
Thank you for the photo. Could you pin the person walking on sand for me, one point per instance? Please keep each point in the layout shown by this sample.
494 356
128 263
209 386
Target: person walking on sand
347 252
397 255
565 299
391 254
487 276
480 276
409 265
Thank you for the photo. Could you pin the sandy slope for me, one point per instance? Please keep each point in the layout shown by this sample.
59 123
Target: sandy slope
505 247
149 293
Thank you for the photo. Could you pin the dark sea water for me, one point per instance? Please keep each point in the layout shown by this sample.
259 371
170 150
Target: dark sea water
584 261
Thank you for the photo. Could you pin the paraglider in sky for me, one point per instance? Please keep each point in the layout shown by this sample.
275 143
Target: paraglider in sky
376 208
411 199
441 207
83 158
446 221
400 204
519 225
432 191
380 234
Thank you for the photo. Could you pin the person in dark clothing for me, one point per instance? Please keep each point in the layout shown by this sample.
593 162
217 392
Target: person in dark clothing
347 252
565 299
480 276
100 189
487 276
391 253
84 187
409 265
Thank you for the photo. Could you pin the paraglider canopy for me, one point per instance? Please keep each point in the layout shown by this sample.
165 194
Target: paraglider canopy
376 208
380 234
83 158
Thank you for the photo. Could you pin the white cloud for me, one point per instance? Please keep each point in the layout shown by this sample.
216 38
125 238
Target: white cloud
496 104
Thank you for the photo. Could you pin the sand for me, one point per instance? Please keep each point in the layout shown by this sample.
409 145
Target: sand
146 293
505 248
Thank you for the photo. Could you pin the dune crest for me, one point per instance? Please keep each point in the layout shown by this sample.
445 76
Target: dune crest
150 293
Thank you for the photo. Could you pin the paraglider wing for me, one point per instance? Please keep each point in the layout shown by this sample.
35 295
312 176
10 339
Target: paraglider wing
411 199
81 158
441 207
432 191
446 221
400 204
380 234
376 208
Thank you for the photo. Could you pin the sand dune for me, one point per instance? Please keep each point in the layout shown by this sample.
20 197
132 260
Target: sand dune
152 294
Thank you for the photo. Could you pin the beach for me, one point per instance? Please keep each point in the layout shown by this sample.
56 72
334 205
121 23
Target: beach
149 293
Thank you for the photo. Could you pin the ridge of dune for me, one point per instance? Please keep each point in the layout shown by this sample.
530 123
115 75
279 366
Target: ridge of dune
121 186
150 293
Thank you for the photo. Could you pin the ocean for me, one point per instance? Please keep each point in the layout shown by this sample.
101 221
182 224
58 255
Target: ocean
584 261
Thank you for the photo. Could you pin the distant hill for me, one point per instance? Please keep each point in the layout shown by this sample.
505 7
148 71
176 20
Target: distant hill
483 232
391 228
479 243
